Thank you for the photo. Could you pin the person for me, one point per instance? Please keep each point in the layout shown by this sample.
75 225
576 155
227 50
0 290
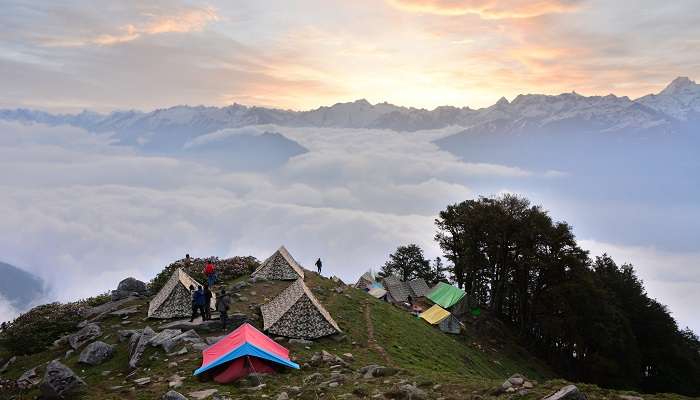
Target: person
188 262
193 294
210 272
199 301
223 303
207 302
319 264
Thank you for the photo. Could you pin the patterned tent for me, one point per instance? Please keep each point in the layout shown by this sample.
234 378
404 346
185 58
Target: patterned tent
398 290
280 266
365 281
296 313
418 287
174 299
242 352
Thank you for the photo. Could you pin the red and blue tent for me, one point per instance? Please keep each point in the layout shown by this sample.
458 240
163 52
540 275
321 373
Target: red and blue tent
242 352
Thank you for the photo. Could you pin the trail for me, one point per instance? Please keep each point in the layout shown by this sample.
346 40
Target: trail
370 337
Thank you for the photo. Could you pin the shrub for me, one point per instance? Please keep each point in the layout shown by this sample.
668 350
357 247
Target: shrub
226 269
35 330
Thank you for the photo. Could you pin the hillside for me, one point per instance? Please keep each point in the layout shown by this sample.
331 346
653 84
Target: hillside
444 366
18 286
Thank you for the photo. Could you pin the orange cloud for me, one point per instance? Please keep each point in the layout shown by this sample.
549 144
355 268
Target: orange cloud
487 9
190 20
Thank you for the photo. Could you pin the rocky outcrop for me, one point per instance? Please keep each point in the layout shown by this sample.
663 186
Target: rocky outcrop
517 383
96 353
569 392
406 391
60 382
89 332
376 371
163 336
129 287
28 379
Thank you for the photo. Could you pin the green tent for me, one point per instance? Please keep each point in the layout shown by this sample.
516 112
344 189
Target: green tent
445 294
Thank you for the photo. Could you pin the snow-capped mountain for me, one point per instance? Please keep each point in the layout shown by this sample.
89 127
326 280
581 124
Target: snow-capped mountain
173 127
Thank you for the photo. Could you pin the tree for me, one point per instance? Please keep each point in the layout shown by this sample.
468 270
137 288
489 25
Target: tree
407 262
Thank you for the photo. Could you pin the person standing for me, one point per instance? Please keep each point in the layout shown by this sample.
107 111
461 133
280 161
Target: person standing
207 302
199 300
188 262
319 265
210 272
193 295
223 303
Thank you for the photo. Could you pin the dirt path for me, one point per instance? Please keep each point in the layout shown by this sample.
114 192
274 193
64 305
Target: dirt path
370 337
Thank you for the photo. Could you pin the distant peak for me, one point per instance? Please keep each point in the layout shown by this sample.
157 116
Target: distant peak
502 102
679 84
363 102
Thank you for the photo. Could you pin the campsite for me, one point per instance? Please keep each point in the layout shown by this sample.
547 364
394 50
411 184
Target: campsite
294 335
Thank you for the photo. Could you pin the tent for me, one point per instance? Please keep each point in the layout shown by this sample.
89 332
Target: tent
174 299
445 294
296 313
365 280
377 292
418 287
398 290
242 352
280 266
434 314
447 322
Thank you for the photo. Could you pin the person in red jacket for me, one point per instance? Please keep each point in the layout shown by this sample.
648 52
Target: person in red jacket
210 272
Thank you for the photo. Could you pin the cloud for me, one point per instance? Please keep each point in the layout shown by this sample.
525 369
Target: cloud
184 21
487 9
7 311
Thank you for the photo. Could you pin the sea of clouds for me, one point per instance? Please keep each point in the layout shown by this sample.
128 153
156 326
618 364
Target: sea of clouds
82 213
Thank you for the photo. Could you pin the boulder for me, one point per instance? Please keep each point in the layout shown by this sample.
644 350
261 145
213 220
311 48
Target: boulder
126 334
302 342
569 392
96 353
138 348
126 311
164 335
375 371
190 337
173 395
60 382
127 287
406 392
202 394
89 332
8 364
28 379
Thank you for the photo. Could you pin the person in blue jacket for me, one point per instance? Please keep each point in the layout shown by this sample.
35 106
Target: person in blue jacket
197 303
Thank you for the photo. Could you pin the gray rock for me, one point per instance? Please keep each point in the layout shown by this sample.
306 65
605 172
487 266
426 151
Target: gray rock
125 311
96 353
180 352
375 371
213 339
129 286
173 395
60 382
407 392
142 381
569 392
302 342
164 335
190 337
89 332
28 379
138 349
8 364
125 334
283 396
202 394
239 285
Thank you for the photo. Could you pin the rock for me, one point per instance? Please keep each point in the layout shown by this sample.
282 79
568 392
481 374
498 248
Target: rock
87 333
60 382
302 342
180 352
69 352
239 285
348 356
28 379
138 349
125 311
375 371
8 364
315 377
202 394
406 392
127 287
213 339
569 392
516 380
628 397
126 334
164 335
173 395
142 381
96 353
199 346
175 381
529 385
283 396
190 337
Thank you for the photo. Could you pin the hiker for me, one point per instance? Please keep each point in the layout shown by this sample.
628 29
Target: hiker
207 302
319 264
210 272
188 262
193 295
222 305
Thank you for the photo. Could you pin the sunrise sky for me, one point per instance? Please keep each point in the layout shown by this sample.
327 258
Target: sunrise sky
66 55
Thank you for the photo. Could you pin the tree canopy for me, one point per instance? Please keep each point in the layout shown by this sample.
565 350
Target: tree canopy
591 319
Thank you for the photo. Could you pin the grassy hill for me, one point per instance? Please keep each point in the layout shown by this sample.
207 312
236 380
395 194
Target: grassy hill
452 367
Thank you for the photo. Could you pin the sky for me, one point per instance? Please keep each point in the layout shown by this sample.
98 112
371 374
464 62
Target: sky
68 55
84 214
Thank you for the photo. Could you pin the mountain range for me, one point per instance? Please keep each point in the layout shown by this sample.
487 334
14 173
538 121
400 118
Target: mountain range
19 287
675 108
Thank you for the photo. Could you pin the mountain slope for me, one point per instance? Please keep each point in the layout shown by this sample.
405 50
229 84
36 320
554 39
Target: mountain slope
19 287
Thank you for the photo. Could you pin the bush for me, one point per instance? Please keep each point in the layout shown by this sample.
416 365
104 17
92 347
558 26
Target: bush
95 301
226 269
35 330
